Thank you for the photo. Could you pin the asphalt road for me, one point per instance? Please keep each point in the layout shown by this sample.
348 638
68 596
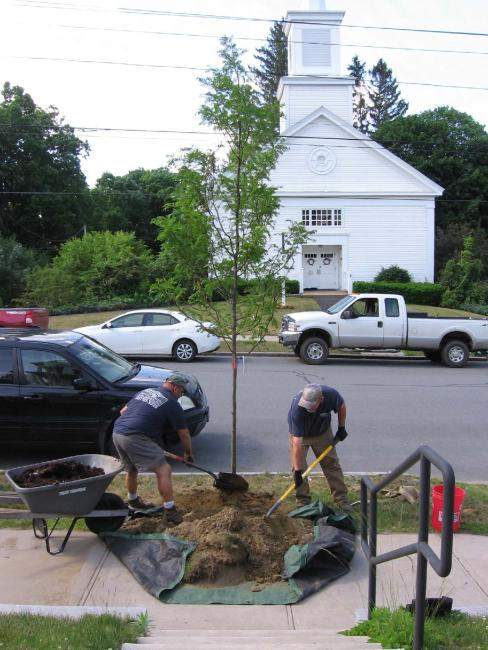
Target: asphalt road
393 406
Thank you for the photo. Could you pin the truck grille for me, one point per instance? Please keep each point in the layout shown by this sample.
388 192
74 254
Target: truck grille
285 323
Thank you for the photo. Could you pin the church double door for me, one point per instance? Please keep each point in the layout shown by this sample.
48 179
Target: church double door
321 267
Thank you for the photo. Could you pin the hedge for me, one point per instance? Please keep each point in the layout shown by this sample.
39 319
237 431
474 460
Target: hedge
419 293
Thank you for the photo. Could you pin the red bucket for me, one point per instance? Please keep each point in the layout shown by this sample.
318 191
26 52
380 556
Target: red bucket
437 503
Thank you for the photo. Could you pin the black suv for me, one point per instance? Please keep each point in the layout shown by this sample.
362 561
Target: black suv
65 388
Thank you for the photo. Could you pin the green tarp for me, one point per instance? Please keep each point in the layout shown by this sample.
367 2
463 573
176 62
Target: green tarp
157 561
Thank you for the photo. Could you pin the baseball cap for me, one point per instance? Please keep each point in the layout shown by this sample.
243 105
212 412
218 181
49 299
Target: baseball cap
310 396
178 379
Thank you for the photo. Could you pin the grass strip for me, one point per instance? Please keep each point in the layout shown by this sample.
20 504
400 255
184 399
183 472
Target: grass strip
394 515
395 630
105 632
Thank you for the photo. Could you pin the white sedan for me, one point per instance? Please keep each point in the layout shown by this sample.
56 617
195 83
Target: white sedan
150 332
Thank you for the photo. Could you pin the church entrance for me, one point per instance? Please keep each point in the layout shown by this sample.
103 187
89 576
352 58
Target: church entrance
321 267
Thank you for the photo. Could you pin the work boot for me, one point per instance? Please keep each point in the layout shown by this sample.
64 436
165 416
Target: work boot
173 515
345 507
303 501
138 505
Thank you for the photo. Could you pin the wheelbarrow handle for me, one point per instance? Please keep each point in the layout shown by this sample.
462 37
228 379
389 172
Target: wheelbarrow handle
181 459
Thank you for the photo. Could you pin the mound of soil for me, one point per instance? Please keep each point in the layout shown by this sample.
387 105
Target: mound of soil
235 541
56 472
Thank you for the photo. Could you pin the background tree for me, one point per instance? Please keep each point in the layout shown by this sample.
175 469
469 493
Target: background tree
451 148
131 202
357 70
273 62
39 153
223 217
462 276
15 263
102 266
384 96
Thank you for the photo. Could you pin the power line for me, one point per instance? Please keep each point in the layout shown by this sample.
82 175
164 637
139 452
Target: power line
147 194
208 69
255 39
181 14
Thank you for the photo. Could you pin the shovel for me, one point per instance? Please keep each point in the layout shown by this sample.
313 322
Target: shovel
224 481
287 493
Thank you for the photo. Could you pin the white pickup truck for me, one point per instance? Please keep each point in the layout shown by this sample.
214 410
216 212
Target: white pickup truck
380 321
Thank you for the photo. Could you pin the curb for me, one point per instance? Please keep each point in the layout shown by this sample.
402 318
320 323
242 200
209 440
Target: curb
331 356
73 611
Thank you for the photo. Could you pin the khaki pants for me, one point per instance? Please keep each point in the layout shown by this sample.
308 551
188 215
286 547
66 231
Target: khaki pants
330 465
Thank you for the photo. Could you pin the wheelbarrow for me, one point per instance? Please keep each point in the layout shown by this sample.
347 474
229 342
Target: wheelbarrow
86 499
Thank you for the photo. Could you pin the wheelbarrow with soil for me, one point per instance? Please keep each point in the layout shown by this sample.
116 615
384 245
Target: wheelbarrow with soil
72 487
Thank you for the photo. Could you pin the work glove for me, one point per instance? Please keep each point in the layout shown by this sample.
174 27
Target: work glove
298 478
340 435
189 458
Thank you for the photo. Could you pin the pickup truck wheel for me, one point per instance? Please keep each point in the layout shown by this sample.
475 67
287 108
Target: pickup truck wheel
455 354
433 355
314 350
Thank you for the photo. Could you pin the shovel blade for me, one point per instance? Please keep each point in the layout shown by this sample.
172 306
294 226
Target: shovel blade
228 482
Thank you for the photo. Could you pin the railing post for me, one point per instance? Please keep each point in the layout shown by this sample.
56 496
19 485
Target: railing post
373 532
421 582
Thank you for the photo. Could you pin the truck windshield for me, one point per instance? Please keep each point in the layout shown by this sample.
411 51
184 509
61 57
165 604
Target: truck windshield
102 360
347 300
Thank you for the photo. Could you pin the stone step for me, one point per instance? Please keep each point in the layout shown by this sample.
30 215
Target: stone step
202 633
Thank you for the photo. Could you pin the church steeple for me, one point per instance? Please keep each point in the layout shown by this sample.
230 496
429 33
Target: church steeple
314 40
314 77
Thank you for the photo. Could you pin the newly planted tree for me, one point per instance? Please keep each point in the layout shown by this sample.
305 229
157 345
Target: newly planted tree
217 245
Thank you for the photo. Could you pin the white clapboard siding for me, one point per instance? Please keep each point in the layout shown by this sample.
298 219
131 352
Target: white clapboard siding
374 233
359 168
301 100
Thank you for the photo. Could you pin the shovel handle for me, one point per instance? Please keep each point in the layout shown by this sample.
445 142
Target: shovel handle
187 462
287 492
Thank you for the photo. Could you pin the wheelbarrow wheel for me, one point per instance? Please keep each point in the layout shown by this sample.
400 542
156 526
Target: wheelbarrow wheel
109 501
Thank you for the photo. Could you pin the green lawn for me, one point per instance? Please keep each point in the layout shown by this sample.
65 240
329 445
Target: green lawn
26 632
71 321
442 311
394 516
395 630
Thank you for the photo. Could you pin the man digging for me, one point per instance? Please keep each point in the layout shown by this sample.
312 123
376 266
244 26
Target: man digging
137 437
309 421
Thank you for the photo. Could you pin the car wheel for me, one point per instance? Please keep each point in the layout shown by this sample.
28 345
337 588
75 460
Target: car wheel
455 354
314 350
433 355
184 350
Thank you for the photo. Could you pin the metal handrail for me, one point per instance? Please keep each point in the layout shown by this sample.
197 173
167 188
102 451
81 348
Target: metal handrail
369 527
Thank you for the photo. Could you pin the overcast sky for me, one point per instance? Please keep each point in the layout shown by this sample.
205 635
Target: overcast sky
130 97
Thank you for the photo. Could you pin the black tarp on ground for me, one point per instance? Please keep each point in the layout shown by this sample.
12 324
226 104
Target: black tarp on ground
157 561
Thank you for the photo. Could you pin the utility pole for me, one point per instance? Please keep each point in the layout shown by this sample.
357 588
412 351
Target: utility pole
84 230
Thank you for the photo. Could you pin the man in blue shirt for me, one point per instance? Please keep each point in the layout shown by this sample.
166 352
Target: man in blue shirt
309 424
137 436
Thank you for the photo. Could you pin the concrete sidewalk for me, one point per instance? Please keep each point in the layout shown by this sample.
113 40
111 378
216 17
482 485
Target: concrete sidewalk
87 574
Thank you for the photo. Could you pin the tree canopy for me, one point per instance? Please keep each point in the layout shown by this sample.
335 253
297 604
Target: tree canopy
272 62
451 148
43 193
131 202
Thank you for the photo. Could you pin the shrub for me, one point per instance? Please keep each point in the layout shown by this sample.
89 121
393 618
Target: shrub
15 263
98 267
393 274
420 293
477 308
461 277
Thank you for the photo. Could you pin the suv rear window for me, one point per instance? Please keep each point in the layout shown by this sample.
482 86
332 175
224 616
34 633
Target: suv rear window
6 366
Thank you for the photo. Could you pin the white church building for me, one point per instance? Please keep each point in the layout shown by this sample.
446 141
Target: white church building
368 208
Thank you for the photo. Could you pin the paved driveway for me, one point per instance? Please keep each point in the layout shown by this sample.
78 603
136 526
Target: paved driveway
394 406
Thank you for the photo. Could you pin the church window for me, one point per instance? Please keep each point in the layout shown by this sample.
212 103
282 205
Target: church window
316 47
322 217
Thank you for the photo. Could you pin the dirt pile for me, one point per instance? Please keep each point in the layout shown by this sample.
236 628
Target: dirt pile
54 473
235 541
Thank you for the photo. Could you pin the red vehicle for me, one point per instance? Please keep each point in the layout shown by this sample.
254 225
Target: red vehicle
24 317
